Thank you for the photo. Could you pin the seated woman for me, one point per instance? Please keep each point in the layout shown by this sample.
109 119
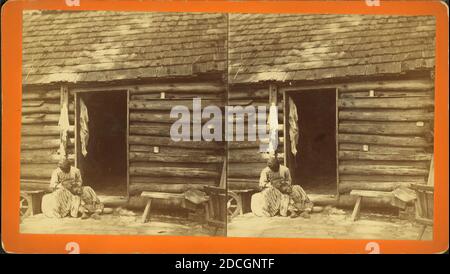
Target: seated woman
278 195
68 197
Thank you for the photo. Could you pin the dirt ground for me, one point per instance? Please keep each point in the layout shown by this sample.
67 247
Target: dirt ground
110 224
337 225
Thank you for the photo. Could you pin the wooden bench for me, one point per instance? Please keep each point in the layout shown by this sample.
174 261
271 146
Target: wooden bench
156 195
30 202
360 194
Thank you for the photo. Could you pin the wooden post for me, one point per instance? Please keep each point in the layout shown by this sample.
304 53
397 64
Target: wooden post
356 210
64 102
337 143
145 215
128 143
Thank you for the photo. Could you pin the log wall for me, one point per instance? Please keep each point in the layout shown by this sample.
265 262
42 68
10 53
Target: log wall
40 135
385 134
178 166
245 160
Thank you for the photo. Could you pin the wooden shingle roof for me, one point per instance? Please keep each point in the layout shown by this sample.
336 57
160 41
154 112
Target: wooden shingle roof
269 47
85 46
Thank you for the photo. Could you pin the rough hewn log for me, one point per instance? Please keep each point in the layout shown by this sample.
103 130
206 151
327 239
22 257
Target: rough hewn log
386 115
175 158
179 96
136 189
388 94
248 156
172 150
347 186
42 130
420 179
385 140
41 95
158 117
396 103
28 157
249 94
382 169
30 185
386 128
357 155
167 104
388 85
187 172
165 141
236 185
36 170
32 142
181 87
150 129
46 108
43 118
169 180
242 170
384 148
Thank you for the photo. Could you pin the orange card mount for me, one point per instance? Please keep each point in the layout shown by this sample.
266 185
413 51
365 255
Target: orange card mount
379 66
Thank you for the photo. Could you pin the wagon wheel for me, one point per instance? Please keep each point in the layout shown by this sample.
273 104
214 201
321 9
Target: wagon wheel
25 205
234 205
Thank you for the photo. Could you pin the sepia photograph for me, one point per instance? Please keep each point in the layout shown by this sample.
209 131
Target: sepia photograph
355 126
238 125
98 92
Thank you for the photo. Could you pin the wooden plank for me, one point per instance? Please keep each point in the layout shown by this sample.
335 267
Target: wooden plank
36 143
161 195
157 117
43 118
336 130
178 158
178 96
355 214
187 172
386 115
36 170
412 141
385 128
357 155
372 194
150 129
382 169
347 186
393 103
146 215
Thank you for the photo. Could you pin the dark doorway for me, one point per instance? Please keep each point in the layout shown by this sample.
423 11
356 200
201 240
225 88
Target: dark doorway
314 166
104 167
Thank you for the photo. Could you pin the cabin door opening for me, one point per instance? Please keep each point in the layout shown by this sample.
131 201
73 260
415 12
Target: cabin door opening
314 167
104 167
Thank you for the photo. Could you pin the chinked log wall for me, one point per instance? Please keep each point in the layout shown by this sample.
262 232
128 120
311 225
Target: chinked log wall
392 119
178 166
40 140
245 160
385 134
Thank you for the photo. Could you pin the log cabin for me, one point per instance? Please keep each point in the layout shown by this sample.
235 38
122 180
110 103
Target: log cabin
125 71
356 90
